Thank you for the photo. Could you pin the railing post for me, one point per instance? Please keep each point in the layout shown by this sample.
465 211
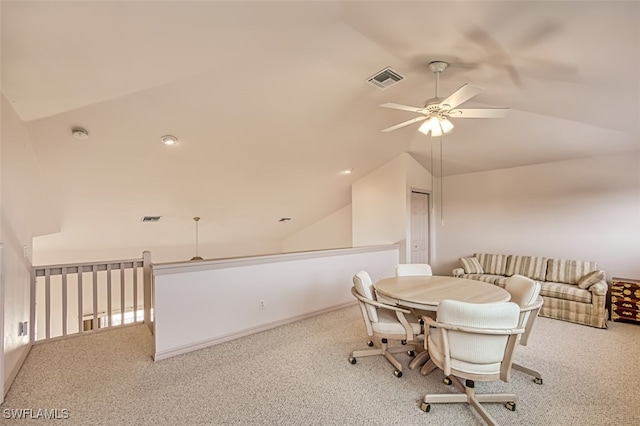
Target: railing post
147 277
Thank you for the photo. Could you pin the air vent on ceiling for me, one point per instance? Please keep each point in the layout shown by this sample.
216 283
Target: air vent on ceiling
151 218
385 78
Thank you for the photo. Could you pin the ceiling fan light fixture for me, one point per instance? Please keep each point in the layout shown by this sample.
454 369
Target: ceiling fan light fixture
447 126
431 125
438 126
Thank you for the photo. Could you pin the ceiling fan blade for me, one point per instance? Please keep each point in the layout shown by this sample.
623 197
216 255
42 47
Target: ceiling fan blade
536 35
461 95
496 55
406 123
402 107
479 112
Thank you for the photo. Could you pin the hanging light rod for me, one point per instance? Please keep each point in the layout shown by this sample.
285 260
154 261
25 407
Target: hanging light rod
196 257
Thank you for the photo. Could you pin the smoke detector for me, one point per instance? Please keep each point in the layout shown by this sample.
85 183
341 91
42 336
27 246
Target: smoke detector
80 133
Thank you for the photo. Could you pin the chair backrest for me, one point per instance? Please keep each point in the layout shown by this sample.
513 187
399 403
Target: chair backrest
526 293
478 348
364 286
405 269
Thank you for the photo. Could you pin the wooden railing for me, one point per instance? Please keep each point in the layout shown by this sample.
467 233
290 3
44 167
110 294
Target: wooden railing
78 298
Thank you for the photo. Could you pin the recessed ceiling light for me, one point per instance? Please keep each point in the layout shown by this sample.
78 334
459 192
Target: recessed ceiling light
151 218
80 133
169 140
346 172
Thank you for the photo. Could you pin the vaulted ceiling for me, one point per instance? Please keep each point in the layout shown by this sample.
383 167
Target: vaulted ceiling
270 101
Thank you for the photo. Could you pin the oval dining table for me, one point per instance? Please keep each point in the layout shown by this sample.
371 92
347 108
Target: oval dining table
426 292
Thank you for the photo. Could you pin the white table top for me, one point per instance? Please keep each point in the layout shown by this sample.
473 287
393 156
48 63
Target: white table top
425 292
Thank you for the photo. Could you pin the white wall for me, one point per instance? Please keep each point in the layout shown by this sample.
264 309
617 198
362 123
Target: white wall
380 208
378 205
587 209
333 231
200 304
19 174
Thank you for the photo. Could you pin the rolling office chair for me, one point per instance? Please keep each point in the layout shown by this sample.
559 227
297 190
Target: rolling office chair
383 322
473 342
414 269
526 293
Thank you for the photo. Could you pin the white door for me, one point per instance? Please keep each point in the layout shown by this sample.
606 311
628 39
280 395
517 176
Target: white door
419 227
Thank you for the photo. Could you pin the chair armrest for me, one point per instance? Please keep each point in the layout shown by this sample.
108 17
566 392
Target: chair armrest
378 304
457 272
533 306
400 312
599 288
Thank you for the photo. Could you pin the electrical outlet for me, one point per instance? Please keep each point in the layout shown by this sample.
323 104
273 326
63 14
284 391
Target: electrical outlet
23 328
261 304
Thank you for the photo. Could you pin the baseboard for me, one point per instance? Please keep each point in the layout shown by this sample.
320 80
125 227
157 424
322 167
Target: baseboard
10 377
246 332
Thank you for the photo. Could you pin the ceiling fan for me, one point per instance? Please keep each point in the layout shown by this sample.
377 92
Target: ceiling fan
437 111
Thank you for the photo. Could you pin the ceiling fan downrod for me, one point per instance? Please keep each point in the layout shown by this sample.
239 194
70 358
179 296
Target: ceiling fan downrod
437 67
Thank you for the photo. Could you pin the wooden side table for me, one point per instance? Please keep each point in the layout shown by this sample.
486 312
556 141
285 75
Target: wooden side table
625 300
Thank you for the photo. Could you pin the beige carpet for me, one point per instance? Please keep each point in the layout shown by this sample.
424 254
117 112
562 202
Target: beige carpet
298 374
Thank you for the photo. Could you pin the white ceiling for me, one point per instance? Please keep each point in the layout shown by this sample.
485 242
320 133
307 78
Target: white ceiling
270 102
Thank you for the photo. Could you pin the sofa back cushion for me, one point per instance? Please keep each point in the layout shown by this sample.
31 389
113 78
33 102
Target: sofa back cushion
471 265
568 271
495 264
529 266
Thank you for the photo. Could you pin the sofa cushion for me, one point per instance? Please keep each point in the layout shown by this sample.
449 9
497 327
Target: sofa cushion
471 265
590 279
529 266
565 292
495 264
486 278
568 271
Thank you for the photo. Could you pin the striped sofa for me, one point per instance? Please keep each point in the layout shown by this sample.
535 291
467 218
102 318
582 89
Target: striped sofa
572 290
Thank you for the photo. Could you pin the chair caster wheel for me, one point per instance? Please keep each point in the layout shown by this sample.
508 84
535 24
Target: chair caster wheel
370 343
411 353
397 373
537 381
511 406
352 360
447 381
404 342
425 407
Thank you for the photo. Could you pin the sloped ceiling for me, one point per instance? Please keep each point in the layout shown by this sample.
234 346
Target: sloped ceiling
270 102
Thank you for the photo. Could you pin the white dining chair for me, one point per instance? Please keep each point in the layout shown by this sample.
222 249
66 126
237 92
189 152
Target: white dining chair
475 342
413 269
383 323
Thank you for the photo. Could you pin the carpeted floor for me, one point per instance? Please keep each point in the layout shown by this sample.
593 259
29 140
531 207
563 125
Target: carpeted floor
298 374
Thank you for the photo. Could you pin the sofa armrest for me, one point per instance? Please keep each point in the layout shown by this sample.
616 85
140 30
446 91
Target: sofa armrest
599 288
457 272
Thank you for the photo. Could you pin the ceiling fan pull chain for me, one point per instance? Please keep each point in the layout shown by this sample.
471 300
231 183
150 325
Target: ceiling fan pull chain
433 188
441 187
